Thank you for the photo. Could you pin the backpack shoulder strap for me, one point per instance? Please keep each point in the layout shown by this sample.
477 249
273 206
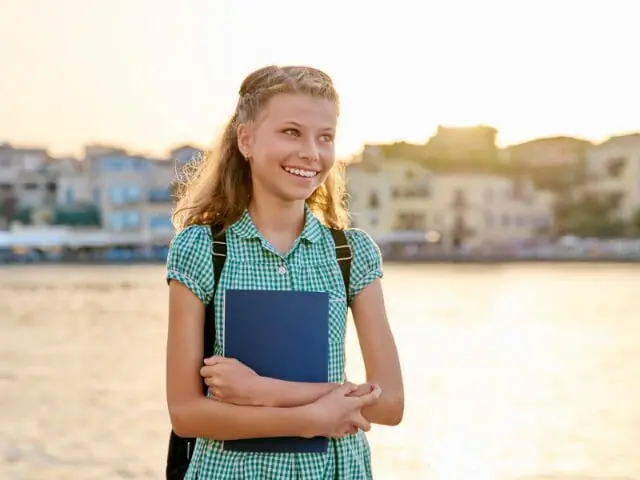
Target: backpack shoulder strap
344 255
219 250
219 238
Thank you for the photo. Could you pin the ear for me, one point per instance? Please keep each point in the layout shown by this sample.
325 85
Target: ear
244 133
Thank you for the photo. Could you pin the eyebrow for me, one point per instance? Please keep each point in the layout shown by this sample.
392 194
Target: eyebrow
296 124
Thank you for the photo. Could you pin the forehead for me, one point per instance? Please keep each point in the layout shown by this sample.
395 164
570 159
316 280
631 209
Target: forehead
300 108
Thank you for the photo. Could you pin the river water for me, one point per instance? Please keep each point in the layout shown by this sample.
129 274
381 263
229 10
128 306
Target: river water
520 371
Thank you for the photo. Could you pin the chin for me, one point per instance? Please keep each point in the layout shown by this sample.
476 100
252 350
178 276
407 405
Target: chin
297 194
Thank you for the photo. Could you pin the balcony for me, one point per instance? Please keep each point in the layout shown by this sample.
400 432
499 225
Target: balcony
85 215
416 191
410 221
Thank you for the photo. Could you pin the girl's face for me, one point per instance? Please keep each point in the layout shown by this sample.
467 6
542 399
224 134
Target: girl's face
290 146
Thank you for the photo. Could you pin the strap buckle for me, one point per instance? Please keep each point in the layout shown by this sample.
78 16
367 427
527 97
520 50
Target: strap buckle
350 254
216 252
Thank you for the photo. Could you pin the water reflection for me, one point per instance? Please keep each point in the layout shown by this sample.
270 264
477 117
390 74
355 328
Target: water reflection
526 372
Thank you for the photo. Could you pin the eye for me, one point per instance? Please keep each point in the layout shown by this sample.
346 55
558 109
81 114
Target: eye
327 138
292 131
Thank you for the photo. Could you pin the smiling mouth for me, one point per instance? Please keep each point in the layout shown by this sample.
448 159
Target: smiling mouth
298 172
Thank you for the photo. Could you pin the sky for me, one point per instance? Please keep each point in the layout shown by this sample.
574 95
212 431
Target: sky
153 74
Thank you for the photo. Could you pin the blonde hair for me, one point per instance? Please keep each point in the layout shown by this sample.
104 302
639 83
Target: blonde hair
217 188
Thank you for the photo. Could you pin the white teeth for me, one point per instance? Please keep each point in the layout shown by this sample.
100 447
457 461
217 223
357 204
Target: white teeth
301 173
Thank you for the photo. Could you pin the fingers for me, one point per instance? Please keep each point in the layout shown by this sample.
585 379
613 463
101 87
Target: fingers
349 430
362 389
214 393
369 398
360 422
214 360
345 389
211 382
211 363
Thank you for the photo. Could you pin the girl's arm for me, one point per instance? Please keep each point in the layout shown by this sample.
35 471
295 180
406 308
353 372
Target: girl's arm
232 381
280 393
380 355
192 414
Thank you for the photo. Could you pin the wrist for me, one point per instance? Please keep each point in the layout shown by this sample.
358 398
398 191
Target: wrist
308 421
264 392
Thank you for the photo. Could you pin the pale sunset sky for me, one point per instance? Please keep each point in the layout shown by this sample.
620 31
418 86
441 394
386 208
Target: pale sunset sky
151 74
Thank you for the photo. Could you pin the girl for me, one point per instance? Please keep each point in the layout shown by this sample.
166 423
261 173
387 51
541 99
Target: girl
275 190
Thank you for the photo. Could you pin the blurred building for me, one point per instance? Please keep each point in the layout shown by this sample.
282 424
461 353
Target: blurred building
477 209
127 198
412 190
133 195
548 152
613 172
370 192
27 183
466 144
396 198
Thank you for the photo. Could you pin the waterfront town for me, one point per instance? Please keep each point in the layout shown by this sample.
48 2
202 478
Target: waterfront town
456 195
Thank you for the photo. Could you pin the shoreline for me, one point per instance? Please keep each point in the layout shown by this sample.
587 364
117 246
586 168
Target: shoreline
442 259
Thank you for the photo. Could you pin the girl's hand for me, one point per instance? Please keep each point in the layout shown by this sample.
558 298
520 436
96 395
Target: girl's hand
338 413
231 381
363 389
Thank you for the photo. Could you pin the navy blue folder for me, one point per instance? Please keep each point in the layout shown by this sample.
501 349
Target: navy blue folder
283 335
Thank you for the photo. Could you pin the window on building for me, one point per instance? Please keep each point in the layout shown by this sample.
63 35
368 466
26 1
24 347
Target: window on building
126 220
116 194
133 193
133 219
374 201
120 194
411 221
160 222
160 194
616 165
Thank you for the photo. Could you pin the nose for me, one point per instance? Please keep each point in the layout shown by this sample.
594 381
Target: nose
309 150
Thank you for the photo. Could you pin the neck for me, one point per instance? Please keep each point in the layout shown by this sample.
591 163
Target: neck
272 216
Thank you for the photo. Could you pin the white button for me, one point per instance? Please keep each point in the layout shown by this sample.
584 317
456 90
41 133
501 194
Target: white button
282 270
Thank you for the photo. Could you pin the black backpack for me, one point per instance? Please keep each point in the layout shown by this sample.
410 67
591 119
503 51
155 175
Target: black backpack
181 448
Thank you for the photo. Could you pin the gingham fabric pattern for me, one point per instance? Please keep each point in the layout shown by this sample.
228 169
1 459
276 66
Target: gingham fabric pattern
252 263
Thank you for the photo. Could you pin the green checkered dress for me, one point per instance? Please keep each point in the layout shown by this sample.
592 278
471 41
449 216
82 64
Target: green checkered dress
252 263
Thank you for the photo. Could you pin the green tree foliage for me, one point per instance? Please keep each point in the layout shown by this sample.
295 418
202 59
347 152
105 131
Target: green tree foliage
592 216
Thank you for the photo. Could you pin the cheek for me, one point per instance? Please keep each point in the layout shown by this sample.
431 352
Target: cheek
328 158
269 157
274 147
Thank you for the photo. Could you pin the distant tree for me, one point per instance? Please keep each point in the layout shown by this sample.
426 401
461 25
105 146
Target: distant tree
634 224
591 216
